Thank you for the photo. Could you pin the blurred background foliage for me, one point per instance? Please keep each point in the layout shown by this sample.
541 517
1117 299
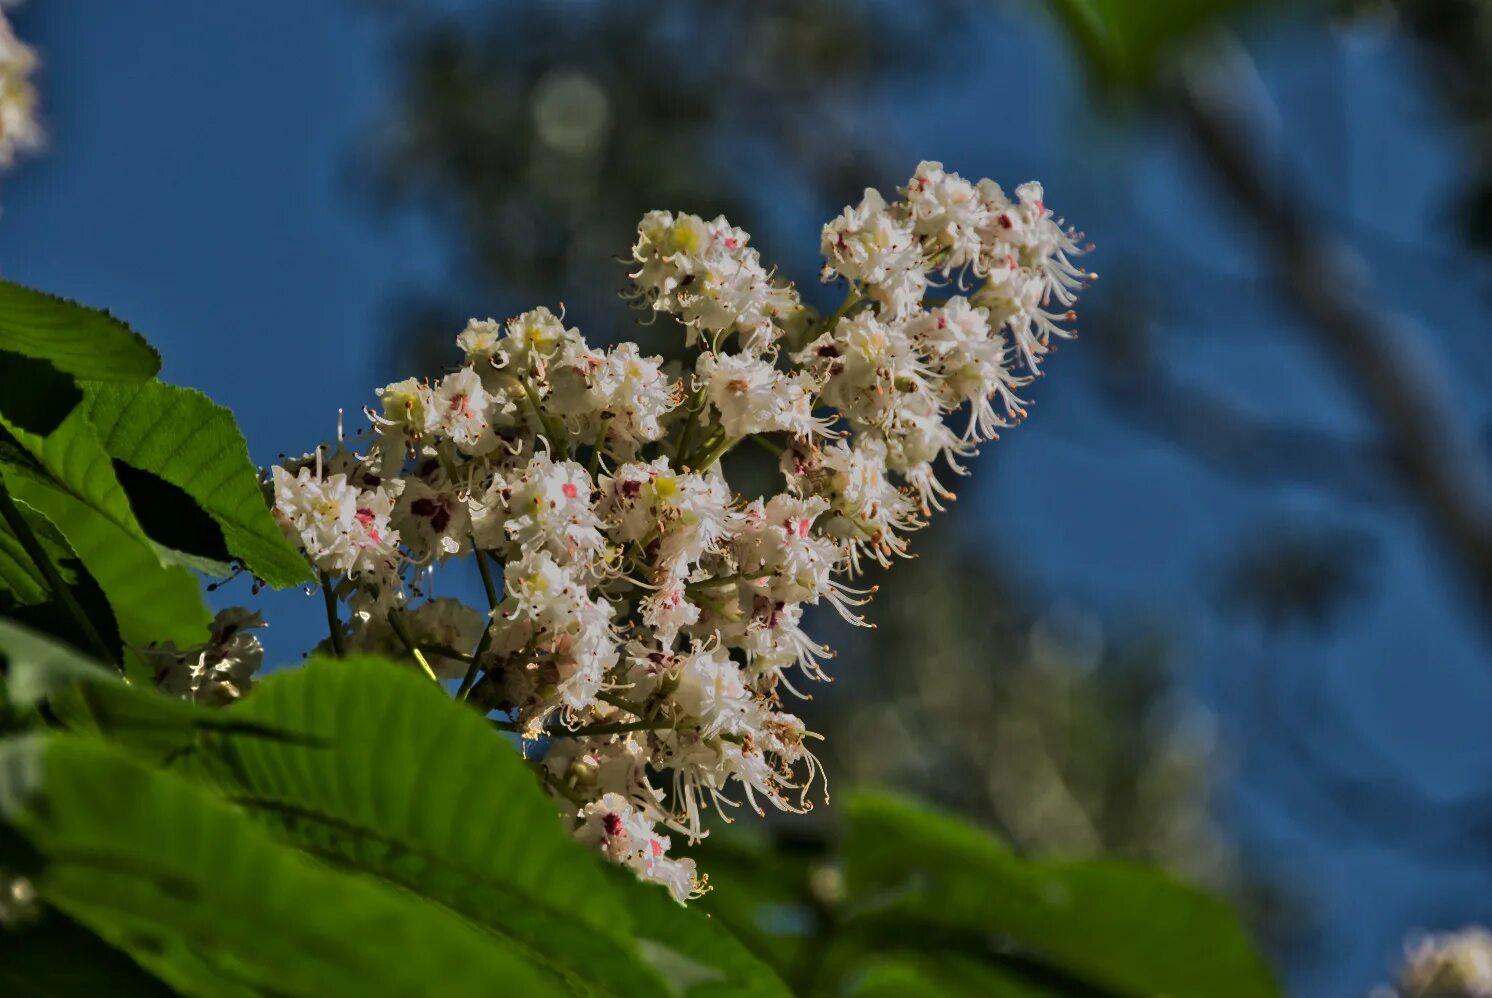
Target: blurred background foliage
1222 603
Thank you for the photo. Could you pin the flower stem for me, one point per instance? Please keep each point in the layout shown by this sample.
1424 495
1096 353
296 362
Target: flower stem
595 462
404 639
622 702
696 403
610 729
339 646
770 446
486 574
715 453
53 578
560 442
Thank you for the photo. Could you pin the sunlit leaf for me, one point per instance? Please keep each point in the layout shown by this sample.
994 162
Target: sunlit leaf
183 438
82 341
214 904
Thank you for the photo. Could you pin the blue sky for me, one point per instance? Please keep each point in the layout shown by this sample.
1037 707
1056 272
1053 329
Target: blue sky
201 183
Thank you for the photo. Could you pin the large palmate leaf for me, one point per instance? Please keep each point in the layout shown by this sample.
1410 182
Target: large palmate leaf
82 341
151 602
418 790
1127 929
183 438
211 902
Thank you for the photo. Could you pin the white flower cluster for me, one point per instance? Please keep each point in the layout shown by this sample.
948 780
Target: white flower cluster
648 619
20 132
1448 965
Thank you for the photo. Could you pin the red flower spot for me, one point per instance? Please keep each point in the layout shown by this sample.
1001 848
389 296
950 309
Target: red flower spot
569 490
657 848
1005 222
364 516
613 824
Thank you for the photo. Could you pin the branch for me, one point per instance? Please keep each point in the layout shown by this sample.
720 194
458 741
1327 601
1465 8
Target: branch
1434 457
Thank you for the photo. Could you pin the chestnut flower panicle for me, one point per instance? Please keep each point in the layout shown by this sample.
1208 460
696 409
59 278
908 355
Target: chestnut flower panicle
644 622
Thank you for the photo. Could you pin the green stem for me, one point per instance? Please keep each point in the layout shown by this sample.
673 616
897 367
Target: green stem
610 729
595 462
339 646
470 679
405 640
622 702
38 555
474 667
558 440
851 299
487 583
716 452
769 446
696 403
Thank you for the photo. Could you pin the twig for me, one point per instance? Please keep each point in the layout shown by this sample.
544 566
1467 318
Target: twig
339 646
1431 452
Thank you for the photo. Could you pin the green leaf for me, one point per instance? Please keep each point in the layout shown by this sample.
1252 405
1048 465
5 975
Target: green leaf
940 974
1119 926
1126 42
73 458
34 394
213 904
82 341
19 575
151 602
418 790
36 667
184 438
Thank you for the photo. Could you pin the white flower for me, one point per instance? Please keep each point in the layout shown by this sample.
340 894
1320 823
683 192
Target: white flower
971 363
1452 963
705 274
20 132
410 413
667 610
533 340
675 516
341 528
480 340
868 242
711 694
633 395
462 408
548 623
549 509
433 522
625 835
948 213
